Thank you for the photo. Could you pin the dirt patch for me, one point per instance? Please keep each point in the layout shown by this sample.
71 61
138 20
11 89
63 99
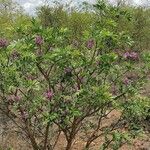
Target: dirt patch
14 140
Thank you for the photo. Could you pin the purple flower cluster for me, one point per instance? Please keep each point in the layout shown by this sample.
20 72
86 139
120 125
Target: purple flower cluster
3 43
90 44
48 94
131 55
38 40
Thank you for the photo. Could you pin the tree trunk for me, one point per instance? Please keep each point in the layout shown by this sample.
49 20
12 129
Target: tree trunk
31 137
69 144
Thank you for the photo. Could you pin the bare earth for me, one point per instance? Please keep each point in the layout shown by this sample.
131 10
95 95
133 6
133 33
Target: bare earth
13 140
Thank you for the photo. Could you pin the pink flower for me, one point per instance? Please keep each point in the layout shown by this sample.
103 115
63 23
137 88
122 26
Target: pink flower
48 94
134 55
131 55
126 55
38 40
3 43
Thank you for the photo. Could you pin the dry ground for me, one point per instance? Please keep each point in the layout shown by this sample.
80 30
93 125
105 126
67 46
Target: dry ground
16 142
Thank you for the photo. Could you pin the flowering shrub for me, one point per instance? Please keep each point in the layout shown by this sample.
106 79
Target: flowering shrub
69 89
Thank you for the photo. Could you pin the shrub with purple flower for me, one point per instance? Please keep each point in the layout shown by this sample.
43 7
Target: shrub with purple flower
74 90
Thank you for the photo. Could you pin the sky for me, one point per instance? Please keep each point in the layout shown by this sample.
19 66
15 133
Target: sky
30 5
